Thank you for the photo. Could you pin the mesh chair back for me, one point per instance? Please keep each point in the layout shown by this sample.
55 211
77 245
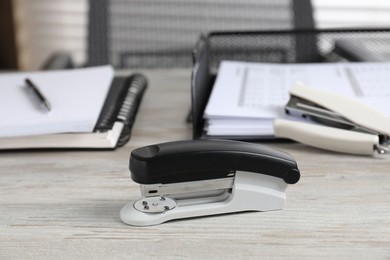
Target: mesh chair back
163 33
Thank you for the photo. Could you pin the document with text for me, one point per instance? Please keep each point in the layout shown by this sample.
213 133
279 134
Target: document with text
247 97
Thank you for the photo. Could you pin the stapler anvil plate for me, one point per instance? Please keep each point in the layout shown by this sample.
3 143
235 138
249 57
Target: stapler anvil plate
186 179
346 125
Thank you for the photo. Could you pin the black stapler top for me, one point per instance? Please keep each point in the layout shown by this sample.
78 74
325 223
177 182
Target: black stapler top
184 161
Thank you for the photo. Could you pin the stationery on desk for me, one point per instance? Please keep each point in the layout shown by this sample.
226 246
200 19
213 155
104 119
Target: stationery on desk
38 94
186 179
362 49
78 108
248 97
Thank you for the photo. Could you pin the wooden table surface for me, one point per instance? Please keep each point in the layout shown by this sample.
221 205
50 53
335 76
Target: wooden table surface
65 204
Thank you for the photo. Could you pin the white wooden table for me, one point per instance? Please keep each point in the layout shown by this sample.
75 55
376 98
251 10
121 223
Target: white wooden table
65 204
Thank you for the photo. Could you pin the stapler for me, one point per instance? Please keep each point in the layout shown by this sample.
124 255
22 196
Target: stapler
339 123
185 179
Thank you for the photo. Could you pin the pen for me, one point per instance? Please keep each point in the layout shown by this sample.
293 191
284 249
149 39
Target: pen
38 94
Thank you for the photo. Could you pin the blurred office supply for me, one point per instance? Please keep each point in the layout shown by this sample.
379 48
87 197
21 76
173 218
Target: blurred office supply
89 109
247 97
38 94
343 124
289 46
364 48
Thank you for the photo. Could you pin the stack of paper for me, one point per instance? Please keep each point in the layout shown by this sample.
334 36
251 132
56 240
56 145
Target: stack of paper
247 97
77 99
76 96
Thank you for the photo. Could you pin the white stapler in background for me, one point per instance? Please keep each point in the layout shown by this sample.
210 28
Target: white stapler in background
185 179
352 127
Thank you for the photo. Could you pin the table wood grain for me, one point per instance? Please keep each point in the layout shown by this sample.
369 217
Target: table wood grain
65 204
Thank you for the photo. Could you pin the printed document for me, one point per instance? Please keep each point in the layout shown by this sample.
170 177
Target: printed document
246 97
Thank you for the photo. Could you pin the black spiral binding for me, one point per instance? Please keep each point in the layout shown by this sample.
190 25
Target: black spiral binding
130 105
122 105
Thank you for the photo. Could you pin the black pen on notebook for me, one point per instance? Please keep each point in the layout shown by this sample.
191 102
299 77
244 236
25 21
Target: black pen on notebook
42 99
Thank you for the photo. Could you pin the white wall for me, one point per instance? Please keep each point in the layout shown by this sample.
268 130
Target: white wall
352 13
45 26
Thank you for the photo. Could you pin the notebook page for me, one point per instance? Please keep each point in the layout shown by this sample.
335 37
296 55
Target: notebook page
76 97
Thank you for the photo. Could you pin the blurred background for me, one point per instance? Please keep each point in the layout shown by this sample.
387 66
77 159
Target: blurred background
32 30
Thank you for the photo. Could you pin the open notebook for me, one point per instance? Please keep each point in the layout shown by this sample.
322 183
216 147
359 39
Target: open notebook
90 108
